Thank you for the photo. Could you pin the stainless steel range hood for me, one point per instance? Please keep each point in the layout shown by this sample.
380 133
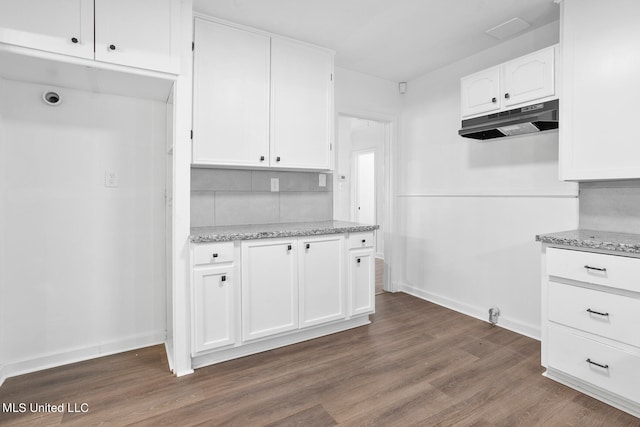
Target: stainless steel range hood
519 121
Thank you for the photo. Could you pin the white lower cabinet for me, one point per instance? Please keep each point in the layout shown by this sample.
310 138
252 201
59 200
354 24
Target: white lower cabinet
214 306
321 275
269 287
253 295
362 264
362 275
590 313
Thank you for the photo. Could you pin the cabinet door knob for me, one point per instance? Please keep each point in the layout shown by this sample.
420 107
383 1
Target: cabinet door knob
288 247
278 159
308 246
262 158
494 100
506 96
223 278
215 255
358 261
112 47
74 40
364 241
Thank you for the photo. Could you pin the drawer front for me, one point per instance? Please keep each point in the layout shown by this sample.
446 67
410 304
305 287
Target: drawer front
213 253
619 373
361 240
608 270
612 316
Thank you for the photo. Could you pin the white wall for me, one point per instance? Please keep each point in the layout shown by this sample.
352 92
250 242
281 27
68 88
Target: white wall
364 95
469 211
357 135
368 97
83 265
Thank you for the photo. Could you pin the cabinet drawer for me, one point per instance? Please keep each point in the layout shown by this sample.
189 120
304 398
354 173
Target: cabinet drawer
213 253
619 372
612 316
361 240
608 270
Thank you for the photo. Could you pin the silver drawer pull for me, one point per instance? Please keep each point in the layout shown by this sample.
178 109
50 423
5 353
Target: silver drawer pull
588 267
597 312
591 362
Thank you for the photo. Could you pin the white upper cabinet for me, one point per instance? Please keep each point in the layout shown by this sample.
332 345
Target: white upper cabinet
519 82
529 78
230 96
260 100
600 69
481 92
301 88
60 26
137 33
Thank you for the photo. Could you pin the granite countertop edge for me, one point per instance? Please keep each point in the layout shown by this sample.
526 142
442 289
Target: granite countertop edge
594 239
253 232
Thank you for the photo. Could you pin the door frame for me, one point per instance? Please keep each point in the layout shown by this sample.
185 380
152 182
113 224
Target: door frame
391 278
354 183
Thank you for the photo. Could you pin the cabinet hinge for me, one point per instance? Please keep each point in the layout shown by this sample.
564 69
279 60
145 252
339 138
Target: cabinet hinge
193 46
191 134
331 76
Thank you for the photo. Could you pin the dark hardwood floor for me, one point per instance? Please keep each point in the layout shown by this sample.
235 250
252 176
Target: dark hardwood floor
416 364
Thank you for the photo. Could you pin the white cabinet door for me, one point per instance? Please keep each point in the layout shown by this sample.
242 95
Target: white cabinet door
529 77
214 301
301 105
600 69
362 281
269 287
480 92
60 26
230 96
138 33
321 272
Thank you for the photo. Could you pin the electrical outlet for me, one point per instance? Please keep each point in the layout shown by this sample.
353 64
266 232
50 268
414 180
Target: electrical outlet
275 184
110 178
322 180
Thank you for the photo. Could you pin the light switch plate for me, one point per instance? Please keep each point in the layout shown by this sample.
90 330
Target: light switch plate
275 184
322 180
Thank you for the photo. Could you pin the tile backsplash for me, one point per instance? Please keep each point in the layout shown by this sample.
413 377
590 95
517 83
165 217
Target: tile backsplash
610 206
233 197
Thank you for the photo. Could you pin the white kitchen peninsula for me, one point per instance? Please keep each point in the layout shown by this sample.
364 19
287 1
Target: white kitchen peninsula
259 287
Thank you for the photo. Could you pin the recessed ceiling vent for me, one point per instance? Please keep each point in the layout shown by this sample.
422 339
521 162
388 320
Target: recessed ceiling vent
508 29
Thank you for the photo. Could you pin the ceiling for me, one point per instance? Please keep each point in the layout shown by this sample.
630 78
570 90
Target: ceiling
393 39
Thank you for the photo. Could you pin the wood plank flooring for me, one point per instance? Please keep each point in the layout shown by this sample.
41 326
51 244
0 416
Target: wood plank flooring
416 364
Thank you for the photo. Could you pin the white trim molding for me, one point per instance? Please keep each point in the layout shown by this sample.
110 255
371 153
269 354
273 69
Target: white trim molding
526 329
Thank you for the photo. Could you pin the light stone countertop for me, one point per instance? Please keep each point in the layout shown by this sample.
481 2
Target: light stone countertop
267 231
594 239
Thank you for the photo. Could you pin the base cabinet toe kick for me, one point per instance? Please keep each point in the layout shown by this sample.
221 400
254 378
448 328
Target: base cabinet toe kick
249 296
591 323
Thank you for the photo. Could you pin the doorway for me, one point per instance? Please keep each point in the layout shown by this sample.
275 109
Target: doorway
360 183
364 186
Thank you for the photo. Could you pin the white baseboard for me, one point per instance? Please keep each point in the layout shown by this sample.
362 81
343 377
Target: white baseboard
80 354
481 313
223 355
